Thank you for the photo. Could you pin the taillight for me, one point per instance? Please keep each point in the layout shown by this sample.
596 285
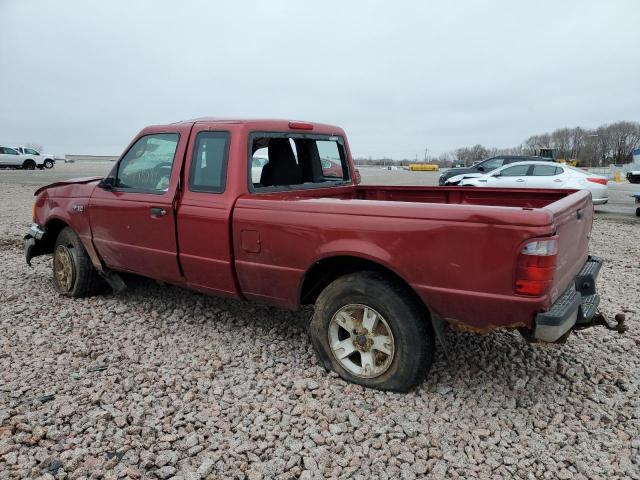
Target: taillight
601 181
536 267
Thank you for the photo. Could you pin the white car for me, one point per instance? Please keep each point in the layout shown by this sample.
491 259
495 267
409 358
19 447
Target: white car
47 160
10 157
543 175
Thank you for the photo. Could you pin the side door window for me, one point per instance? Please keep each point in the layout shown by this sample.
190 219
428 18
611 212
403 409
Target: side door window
491 165
513 176
146 168
545 176
545 170
515 171
208 171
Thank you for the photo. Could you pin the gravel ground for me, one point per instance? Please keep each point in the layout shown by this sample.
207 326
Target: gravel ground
161 382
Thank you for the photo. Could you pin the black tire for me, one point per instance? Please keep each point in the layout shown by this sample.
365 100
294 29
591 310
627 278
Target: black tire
29 165
84 280
48 163
413 336
638 212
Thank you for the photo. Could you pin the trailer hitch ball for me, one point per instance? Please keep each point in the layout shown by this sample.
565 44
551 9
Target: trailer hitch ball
619 327
620 321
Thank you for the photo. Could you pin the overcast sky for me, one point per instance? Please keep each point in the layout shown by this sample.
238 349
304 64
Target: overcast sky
83 76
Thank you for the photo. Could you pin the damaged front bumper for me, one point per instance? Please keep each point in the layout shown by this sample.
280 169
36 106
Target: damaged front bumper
32 242
576 307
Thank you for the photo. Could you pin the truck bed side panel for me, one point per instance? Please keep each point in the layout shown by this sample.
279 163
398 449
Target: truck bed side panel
459 259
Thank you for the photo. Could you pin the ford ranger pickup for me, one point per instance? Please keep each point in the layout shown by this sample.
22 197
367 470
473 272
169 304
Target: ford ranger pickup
273 211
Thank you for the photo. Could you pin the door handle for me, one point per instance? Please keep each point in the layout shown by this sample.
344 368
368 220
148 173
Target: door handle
158 212
520 180
557 180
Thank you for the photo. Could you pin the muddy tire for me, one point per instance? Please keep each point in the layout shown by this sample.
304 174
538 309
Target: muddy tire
371 331
73 272
29 165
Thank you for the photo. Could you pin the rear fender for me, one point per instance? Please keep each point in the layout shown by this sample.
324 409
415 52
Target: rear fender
354 249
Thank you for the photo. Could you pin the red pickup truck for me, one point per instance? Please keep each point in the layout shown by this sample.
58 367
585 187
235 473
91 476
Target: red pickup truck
272 211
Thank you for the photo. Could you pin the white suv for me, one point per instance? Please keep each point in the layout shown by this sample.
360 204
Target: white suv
48 160
10 157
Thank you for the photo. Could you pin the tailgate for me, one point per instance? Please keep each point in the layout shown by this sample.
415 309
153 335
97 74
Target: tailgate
573 219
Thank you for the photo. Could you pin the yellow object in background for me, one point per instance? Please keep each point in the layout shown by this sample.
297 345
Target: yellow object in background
423 167
617 177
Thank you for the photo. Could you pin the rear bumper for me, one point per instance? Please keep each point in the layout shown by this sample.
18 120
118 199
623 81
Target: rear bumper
577 305
600 201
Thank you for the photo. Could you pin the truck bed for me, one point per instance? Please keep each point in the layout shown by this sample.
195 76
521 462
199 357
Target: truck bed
498 197
457 247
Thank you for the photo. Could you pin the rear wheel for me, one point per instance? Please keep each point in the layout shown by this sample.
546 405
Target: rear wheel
29 165
73 273
372 332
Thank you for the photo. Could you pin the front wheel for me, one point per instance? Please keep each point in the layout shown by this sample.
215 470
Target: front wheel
73 272
371 331
48 163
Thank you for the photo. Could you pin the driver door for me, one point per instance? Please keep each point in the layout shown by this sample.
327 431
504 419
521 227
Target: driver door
132 215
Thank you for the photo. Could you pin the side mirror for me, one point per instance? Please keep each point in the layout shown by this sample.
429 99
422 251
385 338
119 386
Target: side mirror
107 183
481 168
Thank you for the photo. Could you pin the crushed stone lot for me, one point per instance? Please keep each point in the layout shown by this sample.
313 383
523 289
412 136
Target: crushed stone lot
161 382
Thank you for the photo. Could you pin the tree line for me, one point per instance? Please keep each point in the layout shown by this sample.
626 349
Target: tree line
608 144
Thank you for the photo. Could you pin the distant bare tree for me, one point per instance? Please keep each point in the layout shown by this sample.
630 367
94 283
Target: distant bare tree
444 160
468 155
613 143
624 138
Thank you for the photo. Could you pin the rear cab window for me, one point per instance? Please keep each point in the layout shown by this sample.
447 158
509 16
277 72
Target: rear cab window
285 161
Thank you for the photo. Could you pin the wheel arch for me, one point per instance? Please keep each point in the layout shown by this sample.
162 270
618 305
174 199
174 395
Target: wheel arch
52 227
327 269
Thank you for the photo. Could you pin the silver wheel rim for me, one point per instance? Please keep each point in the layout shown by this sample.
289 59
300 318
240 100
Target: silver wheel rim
361 341
64 268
